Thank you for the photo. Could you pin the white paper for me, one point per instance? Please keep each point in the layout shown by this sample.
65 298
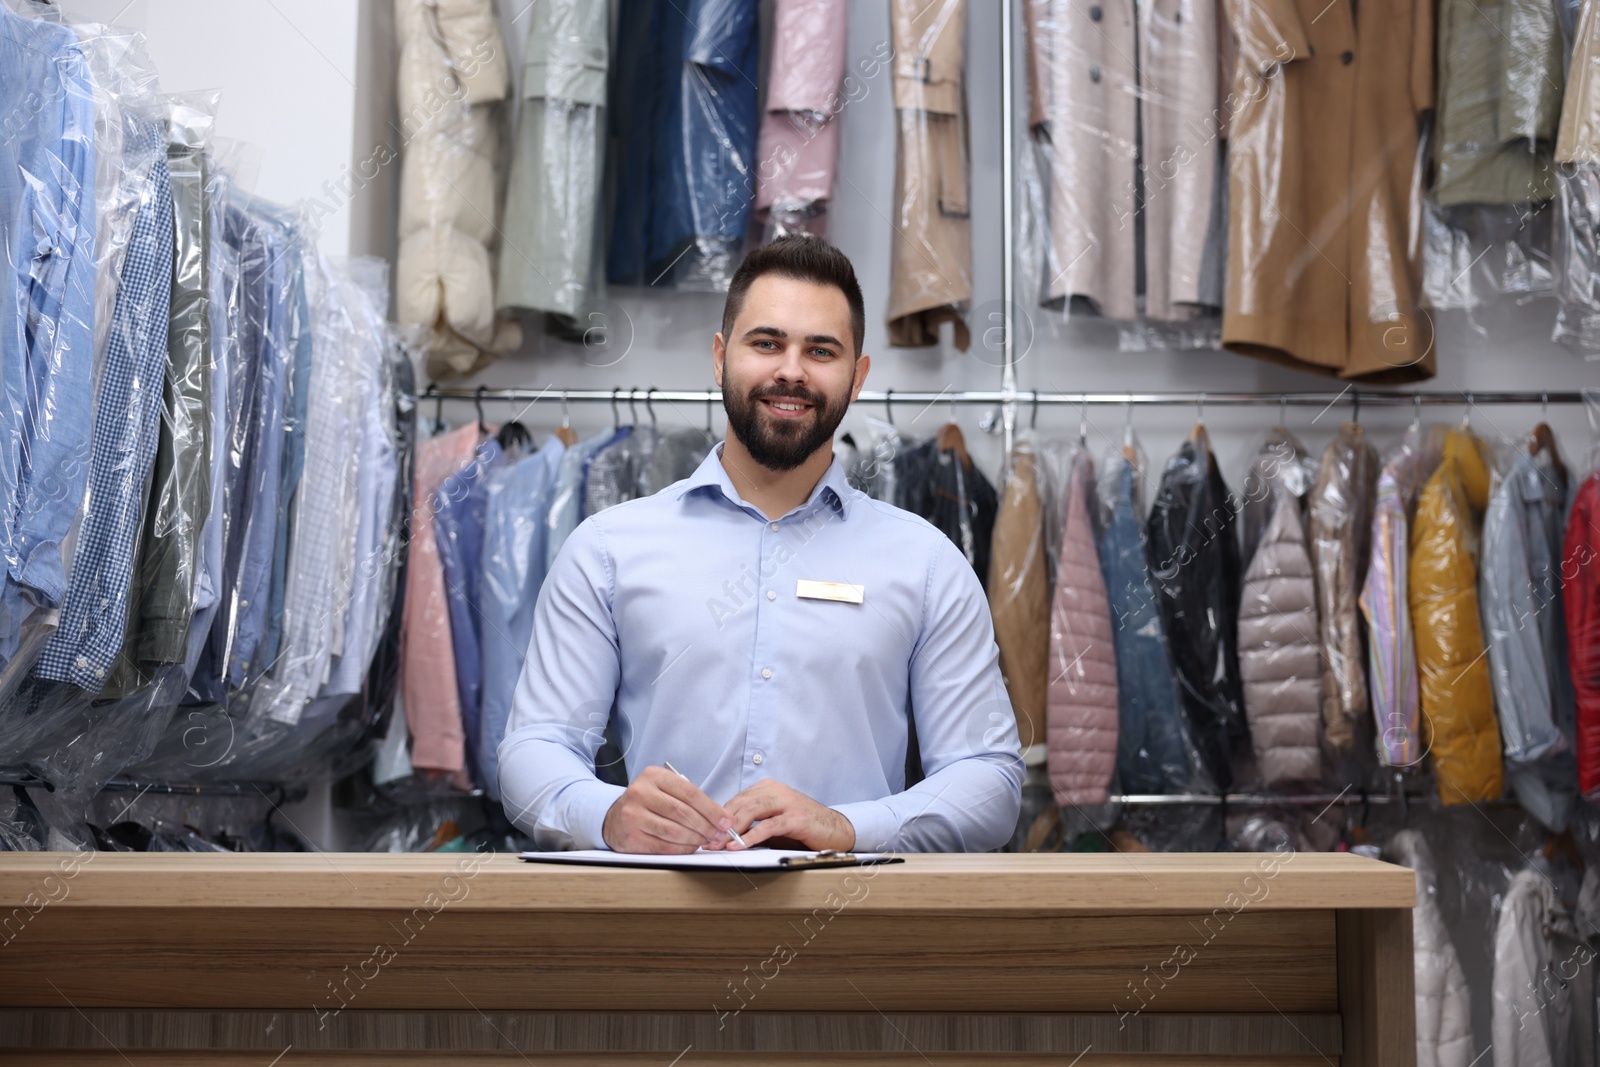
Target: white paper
755 859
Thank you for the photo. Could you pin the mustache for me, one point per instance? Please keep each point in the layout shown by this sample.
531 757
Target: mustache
814 399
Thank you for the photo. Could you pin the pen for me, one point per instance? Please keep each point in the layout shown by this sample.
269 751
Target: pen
685 777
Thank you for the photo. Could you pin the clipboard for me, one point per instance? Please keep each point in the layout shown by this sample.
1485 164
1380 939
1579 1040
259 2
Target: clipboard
755 859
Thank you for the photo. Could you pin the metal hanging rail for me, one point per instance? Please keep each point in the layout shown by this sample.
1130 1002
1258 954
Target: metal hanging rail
1353 397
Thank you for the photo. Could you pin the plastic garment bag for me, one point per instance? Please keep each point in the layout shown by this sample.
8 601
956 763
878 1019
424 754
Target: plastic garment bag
1154 753
1456 699
1324 139
549 254
1576 244
1386 599
1019 594
930 255
1340 506
1526 634
683 112
451 70
798 150
48 305
1194 554
1535 950
1082 699
1580 573
1125 117
960 501
1279 656
1444 1003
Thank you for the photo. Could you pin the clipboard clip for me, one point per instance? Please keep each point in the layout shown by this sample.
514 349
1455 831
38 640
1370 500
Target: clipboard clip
831 857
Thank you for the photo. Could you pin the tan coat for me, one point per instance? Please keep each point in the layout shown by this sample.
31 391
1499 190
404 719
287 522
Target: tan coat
930 255
1019 596
1324 269
1084 91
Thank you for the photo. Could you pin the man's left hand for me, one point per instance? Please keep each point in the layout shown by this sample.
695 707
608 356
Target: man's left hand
770 809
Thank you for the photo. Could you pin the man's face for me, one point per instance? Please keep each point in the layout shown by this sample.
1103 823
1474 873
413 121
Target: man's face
787 372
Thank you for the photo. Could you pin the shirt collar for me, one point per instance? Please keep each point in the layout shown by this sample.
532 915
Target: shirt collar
832 487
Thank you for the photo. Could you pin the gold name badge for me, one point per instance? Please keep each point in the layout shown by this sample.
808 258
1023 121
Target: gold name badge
850 594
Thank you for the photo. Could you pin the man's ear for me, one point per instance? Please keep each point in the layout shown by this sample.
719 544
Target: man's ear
863 364
719 353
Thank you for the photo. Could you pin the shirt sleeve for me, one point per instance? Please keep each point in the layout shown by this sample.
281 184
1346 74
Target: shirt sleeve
563 702
966 730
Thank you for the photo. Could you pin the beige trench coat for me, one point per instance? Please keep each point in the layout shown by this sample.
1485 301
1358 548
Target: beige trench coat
1324 193
1089 66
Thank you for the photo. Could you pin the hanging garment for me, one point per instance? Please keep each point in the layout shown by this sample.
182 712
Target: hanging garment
1019 597
452 68
1386 602
675 457
459 516
433 704
94 613
1279 660
1340 505
1126 116
157 632
1324 265
1534 940
1457 701
1499 101
962 503
1444 1003
548 243
1152 744
1575 241
567 499
1081 708
514 531
1581 597
47 182
1194 566
683 110
799 145
1526 635
930 252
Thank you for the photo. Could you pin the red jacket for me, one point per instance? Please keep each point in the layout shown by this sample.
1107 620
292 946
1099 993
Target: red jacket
1580 587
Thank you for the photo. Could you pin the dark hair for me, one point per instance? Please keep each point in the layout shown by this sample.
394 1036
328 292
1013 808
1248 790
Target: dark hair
804 258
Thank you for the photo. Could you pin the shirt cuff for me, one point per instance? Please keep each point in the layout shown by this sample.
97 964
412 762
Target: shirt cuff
586 812
877 825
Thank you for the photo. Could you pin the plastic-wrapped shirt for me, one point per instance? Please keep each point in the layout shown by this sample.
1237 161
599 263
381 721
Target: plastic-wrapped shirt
47 183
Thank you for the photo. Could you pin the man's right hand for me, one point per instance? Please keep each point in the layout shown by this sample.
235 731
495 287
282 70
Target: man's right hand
664 812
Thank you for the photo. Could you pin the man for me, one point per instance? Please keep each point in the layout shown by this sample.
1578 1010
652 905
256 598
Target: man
766 629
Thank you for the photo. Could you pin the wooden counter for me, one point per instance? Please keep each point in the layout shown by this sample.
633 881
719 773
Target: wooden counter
1281 958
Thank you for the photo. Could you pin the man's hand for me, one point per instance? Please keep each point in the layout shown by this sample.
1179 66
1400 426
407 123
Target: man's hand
787 813
664 812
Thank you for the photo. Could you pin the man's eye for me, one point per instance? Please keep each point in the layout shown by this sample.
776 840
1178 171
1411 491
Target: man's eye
822 351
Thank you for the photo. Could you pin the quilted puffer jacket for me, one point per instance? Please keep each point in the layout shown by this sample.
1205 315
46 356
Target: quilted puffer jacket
1457 700
1340 540
1444 1003
1082 699
452 69
1580 591
1279 659
1194 564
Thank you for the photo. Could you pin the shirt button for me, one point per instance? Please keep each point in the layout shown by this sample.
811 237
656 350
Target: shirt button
766 672
1347 58
83 661
1095 13
774 526
1094 74
757 759
771 595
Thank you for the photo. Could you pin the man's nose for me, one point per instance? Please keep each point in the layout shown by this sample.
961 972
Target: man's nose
791 368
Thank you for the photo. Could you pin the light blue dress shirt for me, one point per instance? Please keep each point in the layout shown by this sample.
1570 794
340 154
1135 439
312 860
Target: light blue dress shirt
47 225
678 614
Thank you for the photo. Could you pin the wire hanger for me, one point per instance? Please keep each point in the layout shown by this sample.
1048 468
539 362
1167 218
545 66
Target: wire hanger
649 407
1129 452
1033 417
477 402
1416 411
1083 421
438 408
616 415
633 410
888 405
1283 411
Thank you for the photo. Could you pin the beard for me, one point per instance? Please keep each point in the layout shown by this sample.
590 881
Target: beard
782 444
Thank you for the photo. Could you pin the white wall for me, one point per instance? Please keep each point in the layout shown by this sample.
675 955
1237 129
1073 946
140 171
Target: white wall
290 86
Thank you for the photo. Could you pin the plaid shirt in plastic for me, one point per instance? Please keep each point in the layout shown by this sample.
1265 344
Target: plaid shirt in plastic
127 416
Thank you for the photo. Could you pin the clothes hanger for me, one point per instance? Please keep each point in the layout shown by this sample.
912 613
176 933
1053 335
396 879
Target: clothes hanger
1033 417
565 433
649 407
438 409
1564 847
633 410
1544 440
1198 435
950 438
888 405
1416 412
1283 412
1129 452
477 402
1083 421
616 416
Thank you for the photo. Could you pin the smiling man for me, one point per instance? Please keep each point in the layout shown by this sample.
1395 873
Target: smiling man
766 629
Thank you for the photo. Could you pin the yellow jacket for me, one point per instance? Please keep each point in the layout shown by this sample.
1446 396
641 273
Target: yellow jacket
1456 695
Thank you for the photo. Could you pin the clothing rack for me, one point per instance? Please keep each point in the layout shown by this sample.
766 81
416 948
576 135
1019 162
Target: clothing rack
272 791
